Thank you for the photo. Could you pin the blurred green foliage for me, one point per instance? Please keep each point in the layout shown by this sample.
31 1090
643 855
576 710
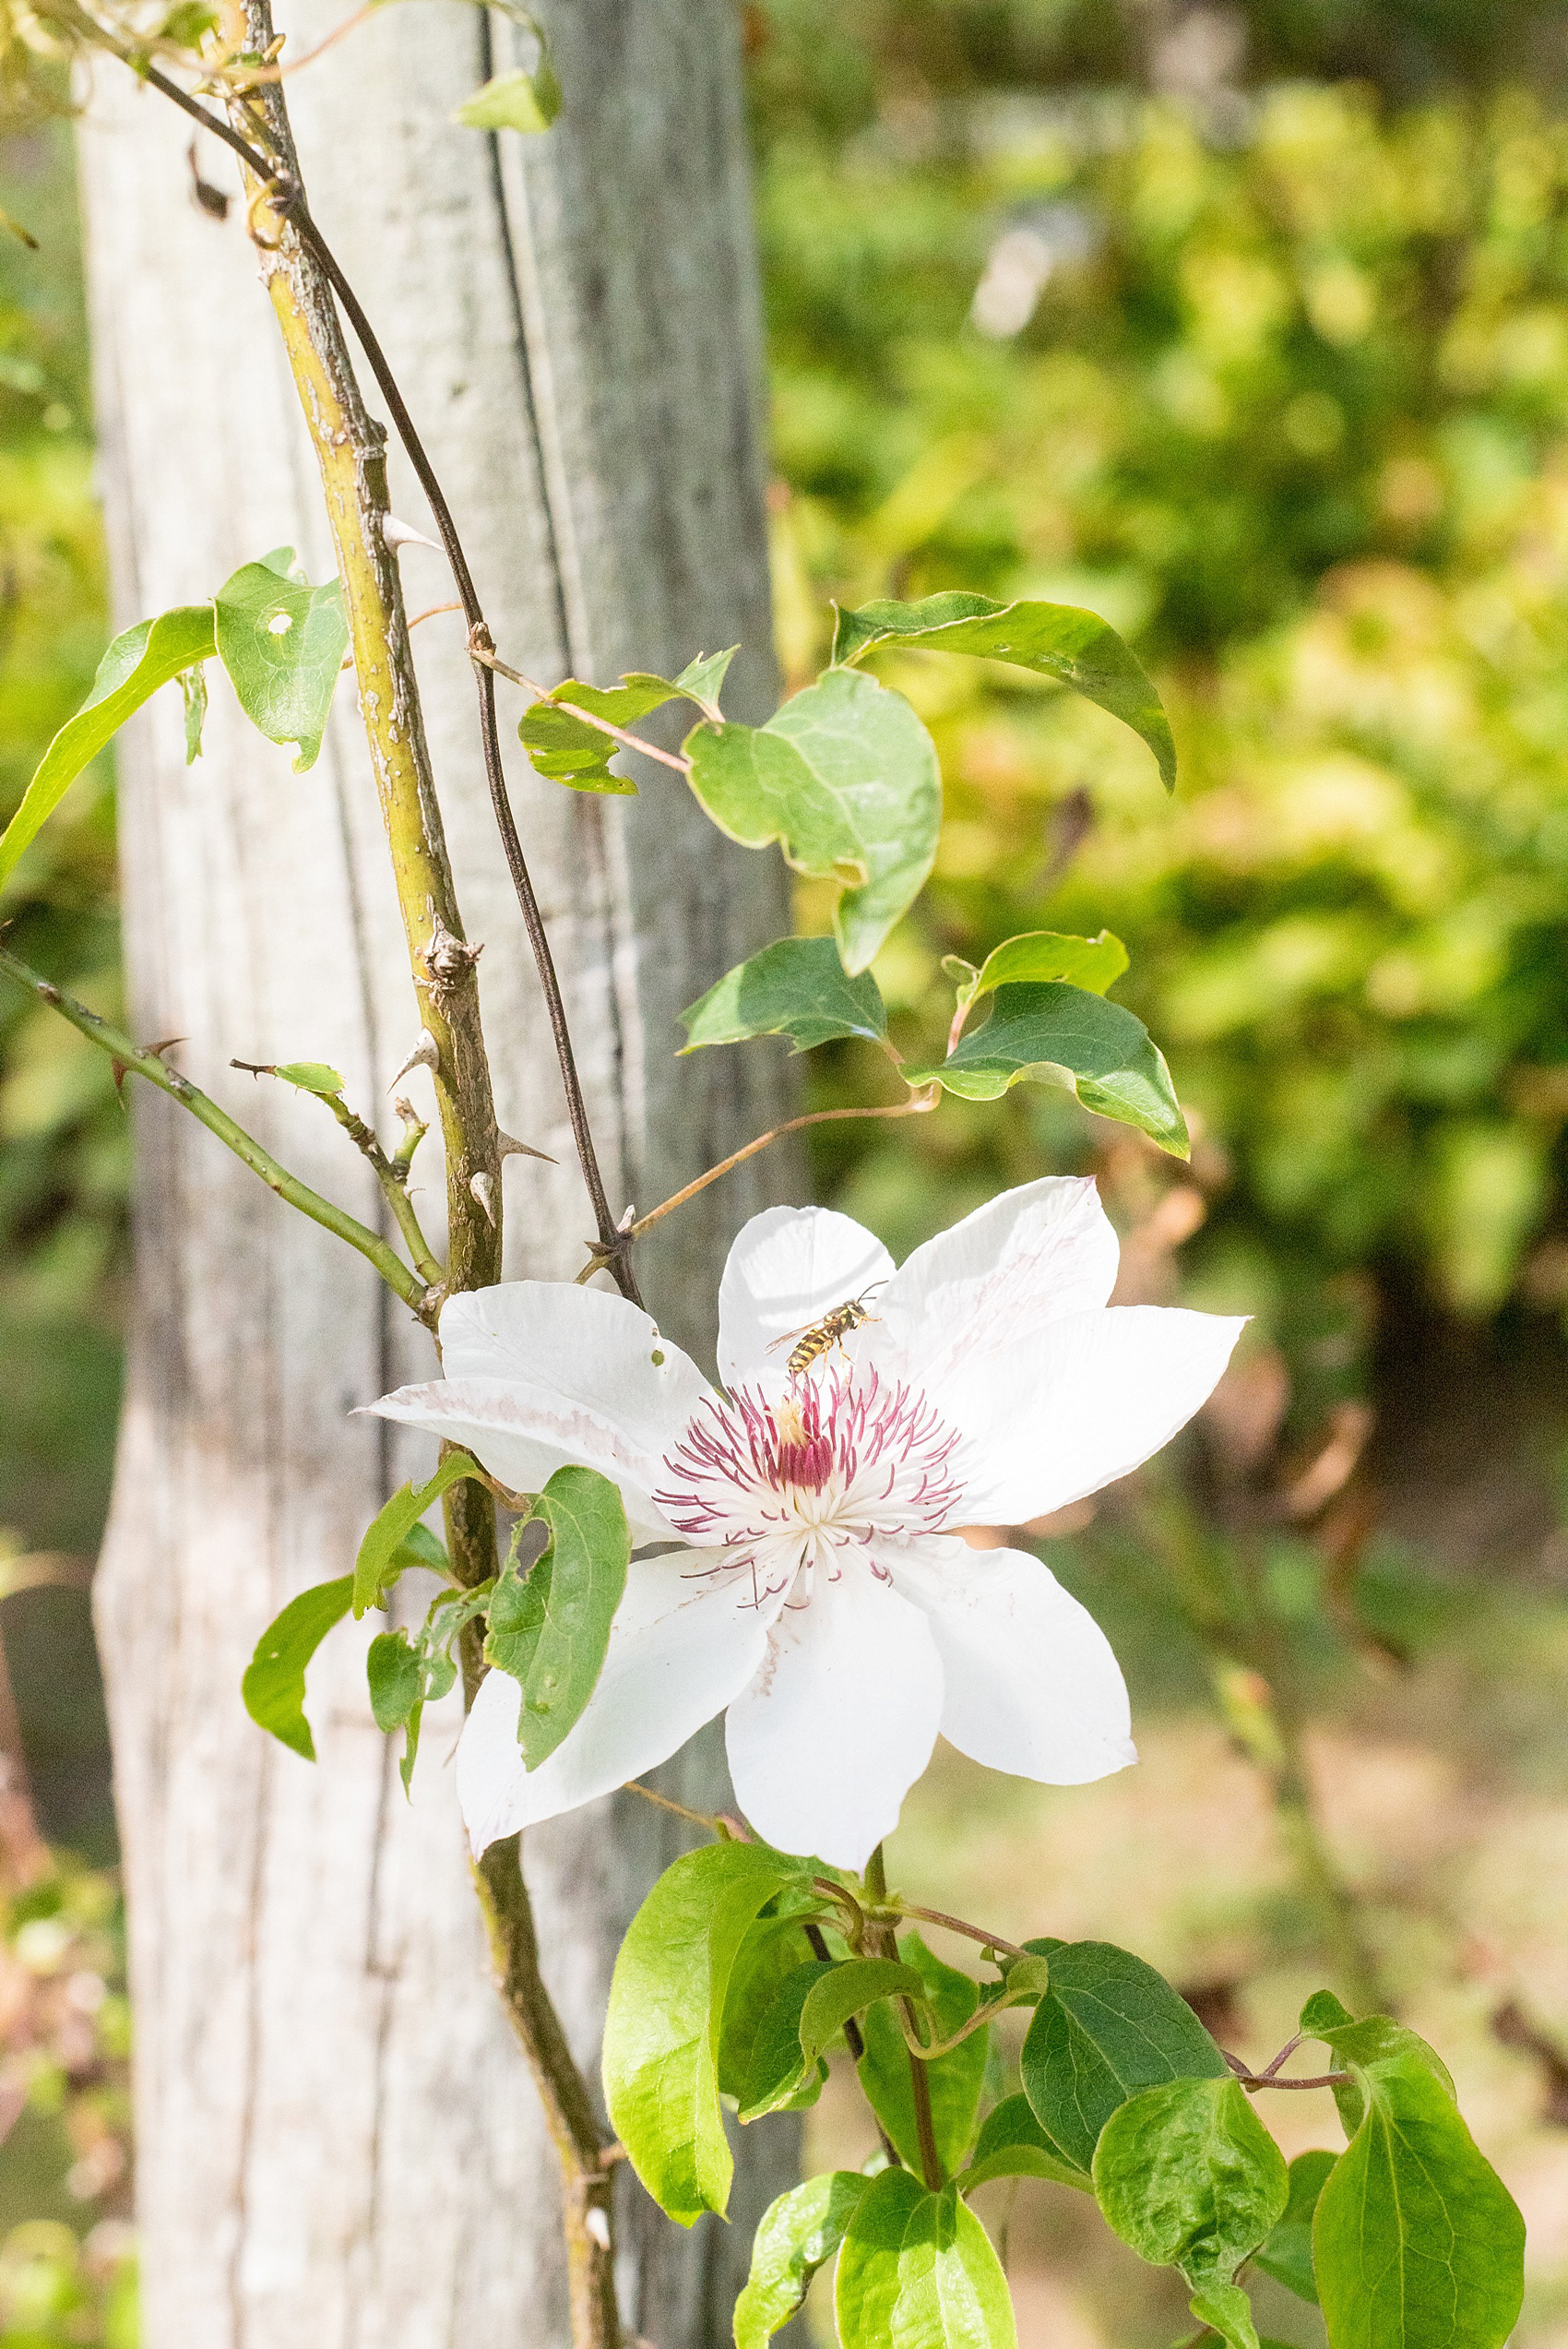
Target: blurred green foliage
1277 379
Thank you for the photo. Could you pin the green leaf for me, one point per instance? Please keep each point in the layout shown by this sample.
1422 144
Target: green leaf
865 2289
405 1676
954 2079
770 1952
274 1684
845 778
1227 2310
569 751
193 683
1093 964
667 1999
396 1673
135 664
799 2234
1077 648
1288 2254
1108 2026
550 1630
1062 1035
778 2076
378 1564
849 1990
282 643
517 100
796 988
1013 2144
311 1076
917 2272
1187 2174
1417 2243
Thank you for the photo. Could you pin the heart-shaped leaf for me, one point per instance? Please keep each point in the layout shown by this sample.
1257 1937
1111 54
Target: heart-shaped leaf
282 643
797 987
550 1628
845 778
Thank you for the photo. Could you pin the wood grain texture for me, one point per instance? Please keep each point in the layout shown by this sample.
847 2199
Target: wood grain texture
339 2145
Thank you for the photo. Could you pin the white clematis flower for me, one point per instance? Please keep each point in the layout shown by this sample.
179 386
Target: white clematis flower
820 1592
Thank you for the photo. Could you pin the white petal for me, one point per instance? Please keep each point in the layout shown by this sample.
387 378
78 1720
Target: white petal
1031 1255
1032 1686
582 1345
523 1434
682 1643
540 1374
787 1267
826 1741
1077 1404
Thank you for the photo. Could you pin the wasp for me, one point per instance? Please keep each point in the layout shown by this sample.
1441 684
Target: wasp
821 1337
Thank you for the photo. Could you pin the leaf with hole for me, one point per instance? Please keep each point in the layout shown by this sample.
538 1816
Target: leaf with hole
550 1628
274 1684
954 2079
844 777
1417 2243
1108 2026
1056 640
797 988
282 643
667 2000
151 654
568 750
798 2234
1061 1035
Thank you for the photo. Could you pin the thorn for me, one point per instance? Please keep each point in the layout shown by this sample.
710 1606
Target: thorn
168 1044
627 1220
596 2222
399 534
483 1188
425 1055
212 200
447 958
510 1147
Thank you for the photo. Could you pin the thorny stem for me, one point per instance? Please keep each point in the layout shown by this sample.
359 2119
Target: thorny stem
127 1056
919 2082
288 205
392 1173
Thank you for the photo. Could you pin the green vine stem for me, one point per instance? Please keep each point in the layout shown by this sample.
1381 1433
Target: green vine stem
135 1059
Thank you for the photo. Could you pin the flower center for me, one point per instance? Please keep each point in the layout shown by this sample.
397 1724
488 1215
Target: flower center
843 1461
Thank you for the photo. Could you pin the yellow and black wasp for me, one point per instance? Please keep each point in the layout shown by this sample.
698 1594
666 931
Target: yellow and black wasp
823 1337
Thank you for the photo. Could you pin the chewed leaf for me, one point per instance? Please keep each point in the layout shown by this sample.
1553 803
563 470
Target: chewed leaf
845 779
274 1684
1079 649
136 664
568 750
551 1629
1094 964
282 643
797 987
1063 1035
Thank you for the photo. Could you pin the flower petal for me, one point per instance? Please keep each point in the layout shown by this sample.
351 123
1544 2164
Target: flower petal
583 1345
828 1739
682 1641
787 1267
1077 1404
1032 1686
1030 1255
540 1373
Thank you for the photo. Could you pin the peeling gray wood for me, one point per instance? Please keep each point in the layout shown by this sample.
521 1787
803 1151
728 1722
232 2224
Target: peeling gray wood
339 2147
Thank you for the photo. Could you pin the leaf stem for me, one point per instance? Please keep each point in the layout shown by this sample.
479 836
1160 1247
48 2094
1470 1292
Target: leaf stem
127 1056
915 1107
957 1925
919 2084
546 693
